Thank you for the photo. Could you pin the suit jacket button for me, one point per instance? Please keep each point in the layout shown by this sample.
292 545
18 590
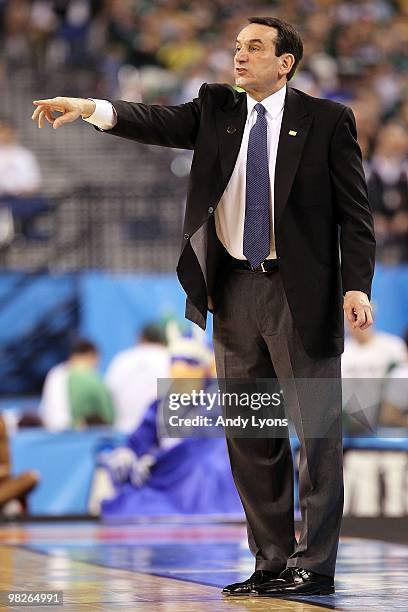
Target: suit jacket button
210 210
186 236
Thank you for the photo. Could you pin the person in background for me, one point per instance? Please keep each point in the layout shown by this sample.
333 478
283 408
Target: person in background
394 407
13 489
370 353
20 173
54 406
20 181
74 394
368 357
132 377
163 470
388 192
190 362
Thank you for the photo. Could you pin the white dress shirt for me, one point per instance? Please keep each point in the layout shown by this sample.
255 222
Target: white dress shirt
104 115
230 212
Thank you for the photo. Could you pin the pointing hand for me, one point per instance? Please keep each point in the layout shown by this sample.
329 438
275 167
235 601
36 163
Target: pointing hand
70 109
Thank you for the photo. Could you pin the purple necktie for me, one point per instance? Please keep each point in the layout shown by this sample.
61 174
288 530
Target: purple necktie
257 221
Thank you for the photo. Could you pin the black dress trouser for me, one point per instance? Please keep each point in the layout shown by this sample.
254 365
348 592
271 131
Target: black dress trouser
255 338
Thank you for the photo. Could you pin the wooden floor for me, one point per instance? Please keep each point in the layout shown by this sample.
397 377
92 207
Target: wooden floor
175 568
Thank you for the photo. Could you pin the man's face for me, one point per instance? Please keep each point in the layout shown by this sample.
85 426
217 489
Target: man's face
256 66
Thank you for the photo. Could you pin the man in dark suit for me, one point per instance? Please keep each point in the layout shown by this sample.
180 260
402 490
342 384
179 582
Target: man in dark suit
276 190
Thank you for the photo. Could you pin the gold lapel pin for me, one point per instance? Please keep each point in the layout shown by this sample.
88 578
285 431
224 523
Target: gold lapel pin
231 129
292 133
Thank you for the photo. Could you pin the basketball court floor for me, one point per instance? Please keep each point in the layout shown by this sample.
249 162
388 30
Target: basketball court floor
180 568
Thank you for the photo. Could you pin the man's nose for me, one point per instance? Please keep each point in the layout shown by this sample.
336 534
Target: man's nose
241 56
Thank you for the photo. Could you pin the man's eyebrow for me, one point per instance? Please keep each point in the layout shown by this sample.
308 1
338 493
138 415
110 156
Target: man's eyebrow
252 40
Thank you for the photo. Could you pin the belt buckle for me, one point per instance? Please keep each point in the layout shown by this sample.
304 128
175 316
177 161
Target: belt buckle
260 268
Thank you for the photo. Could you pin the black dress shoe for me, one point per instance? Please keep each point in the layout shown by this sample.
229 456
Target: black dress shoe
244 588
296 581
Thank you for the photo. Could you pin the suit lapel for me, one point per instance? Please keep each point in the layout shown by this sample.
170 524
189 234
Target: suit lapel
295 125
230 122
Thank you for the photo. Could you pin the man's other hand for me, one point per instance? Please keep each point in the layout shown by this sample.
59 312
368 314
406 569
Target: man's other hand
70 109
358 309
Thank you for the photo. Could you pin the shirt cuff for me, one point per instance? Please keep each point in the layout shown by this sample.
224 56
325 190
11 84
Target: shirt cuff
104 115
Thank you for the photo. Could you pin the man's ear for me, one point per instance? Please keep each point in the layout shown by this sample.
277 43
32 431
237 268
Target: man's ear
286 61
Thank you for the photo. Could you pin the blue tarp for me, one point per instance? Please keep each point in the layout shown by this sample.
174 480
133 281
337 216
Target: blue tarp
66 463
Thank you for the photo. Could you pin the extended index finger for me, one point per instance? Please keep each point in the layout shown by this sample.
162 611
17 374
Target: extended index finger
47 101
55 104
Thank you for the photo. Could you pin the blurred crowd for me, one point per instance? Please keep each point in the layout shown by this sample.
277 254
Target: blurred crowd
163 50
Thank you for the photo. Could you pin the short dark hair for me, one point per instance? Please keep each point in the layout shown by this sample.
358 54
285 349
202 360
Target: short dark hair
153 333
83 347
287 40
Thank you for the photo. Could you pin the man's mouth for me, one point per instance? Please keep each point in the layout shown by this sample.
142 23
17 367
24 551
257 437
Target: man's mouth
240 70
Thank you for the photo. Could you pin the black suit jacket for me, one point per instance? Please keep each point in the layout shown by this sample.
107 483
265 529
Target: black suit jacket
320 201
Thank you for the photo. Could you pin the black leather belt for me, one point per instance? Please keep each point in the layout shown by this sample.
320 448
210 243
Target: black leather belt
266 266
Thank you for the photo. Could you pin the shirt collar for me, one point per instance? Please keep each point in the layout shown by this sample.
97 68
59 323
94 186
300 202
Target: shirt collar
273 103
